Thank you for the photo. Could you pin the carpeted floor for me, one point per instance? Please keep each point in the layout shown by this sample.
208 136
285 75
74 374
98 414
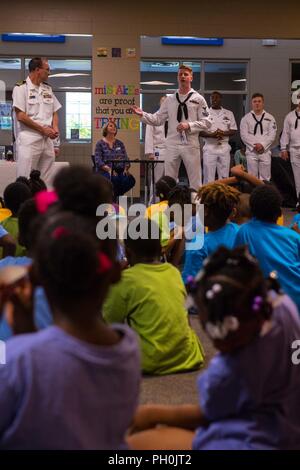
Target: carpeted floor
177 388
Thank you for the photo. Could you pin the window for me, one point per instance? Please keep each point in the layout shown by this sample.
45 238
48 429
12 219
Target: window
78 116
5 116
225 76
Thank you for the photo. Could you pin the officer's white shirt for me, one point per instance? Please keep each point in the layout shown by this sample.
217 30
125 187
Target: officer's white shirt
38 102
220 119
154 139
197 118
290 136
247 130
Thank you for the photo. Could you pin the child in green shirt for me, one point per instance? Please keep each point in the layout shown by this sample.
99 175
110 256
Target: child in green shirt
150 297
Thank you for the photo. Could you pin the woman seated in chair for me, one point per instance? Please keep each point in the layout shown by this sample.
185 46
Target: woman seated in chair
110 148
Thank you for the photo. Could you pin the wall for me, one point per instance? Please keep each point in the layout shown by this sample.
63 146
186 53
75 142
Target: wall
200 18
269 71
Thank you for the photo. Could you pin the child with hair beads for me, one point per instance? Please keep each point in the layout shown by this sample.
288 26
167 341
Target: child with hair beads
60 387
150 299
249 394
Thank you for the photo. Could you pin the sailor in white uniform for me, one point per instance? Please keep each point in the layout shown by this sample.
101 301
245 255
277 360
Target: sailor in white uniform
35 121
216 150
290 143
186 112
258 131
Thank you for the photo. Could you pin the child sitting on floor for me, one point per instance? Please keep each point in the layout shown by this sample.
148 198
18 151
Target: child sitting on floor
150 298
60 387
276 248
249 394
219 201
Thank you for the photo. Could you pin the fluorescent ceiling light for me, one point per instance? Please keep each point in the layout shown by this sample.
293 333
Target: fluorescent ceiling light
74 88
63 75
156 82
240 80
80 35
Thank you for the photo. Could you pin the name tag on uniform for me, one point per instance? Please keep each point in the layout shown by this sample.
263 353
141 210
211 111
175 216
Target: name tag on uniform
32 95
47 95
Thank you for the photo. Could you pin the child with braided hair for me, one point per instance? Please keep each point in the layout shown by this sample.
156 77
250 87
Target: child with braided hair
219 201
249 394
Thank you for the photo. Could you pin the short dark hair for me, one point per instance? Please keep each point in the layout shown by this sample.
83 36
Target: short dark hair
28 213
36 63
67 261
81 191
150 246
257 95
217 93
164 185
265 203
14 195
180 194
34 183
104 131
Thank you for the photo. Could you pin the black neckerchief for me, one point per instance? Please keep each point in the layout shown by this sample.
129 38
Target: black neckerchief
258 123
297 117
183 106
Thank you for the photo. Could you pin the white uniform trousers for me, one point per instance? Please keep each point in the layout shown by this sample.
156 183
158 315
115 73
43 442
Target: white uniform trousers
191 159
259 165
159 171
35 153
295 162
215 159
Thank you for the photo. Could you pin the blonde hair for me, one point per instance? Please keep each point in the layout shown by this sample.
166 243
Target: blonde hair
219 198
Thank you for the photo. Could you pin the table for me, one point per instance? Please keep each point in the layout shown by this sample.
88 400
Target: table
8 172
147 163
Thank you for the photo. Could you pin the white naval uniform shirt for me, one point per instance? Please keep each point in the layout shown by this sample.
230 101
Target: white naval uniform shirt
154 139
247 127
290 136
38 102
220 119
197 118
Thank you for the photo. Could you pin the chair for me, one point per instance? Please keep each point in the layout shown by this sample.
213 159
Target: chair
94 163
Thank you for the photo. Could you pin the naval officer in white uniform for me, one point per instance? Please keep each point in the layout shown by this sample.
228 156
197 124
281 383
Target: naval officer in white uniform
35 121
187 114
216 150
258 131
290 143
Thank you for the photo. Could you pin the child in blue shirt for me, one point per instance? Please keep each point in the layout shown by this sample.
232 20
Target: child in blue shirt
276 248
219 200
249 394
